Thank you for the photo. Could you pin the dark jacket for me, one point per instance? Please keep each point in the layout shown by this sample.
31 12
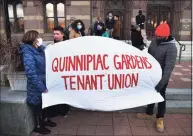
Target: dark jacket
109 23
140 20
136 38
34 64
99 32
95 27
165 53
64 39
67 32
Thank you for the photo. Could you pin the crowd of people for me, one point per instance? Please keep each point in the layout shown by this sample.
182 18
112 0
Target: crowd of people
162 48
110 28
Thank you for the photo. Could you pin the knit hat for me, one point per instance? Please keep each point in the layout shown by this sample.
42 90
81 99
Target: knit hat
163 30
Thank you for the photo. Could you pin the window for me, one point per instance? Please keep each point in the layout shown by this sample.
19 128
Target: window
16 16
54 11
158 13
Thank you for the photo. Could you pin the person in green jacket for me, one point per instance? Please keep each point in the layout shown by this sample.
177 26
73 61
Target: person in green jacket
101 30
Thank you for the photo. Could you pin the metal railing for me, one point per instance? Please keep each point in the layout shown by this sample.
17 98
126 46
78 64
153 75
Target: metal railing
182 48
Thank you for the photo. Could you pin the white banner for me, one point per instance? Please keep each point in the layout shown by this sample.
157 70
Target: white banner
97 73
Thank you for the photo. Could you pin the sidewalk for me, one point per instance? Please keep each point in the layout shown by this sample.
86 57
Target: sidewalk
118 124
181 76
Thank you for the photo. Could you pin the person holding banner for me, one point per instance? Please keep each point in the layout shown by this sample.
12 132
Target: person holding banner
60 109
34 63
164 50
58 34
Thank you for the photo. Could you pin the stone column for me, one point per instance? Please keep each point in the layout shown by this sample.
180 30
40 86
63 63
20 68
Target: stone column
136 6
186 21
176 19
79 10
33 16
2 30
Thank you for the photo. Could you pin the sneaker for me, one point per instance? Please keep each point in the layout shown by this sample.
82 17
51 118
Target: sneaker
160 125
42 130
49 123
144 116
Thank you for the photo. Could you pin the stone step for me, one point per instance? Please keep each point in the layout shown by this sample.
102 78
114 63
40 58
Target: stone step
172 106
178 101
179 94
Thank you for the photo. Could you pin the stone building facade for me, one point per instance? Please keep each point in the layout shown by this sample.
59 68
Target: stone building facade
43 15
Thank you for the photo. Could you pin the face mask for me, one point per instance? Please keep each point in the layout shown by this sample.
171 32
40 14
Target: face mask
159 40
110 17
79 27
40 41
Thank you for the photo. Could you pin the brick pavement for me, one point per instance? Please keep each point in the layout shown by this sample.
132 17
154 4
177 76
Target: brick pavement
126 124
181 76
118 124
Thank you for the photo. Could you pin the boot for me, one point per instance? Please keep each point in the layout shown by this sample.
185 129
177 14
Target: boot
144 116
160 125
49 123
40 126
42 130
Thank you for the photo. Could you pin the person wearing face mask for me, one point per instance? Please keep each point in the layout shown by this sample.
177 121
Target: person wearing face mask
78 29
101 30
164 50
34 63
109 23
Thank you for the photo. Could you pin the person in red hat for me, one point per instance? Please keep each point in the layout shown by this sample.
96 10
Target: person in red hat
164 50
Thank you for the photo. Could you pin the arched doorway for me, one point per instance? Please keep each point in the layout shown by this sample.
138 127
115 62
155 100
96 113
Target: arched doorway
158 12
116 7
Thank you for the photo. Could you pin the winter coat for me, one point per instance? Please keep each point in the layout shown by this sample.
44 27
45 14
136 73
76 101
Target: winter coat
74 34
95 27
99 32
136 38
34 64
117 29
140 20
67 32
165 53
109 23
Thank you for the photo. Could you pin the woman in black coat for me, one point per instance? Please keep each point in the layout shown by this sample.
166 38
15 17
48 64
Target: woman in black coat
136 37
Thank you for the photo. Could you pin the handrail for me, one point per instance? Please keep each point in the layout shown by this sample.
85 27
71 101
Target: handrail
182 48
